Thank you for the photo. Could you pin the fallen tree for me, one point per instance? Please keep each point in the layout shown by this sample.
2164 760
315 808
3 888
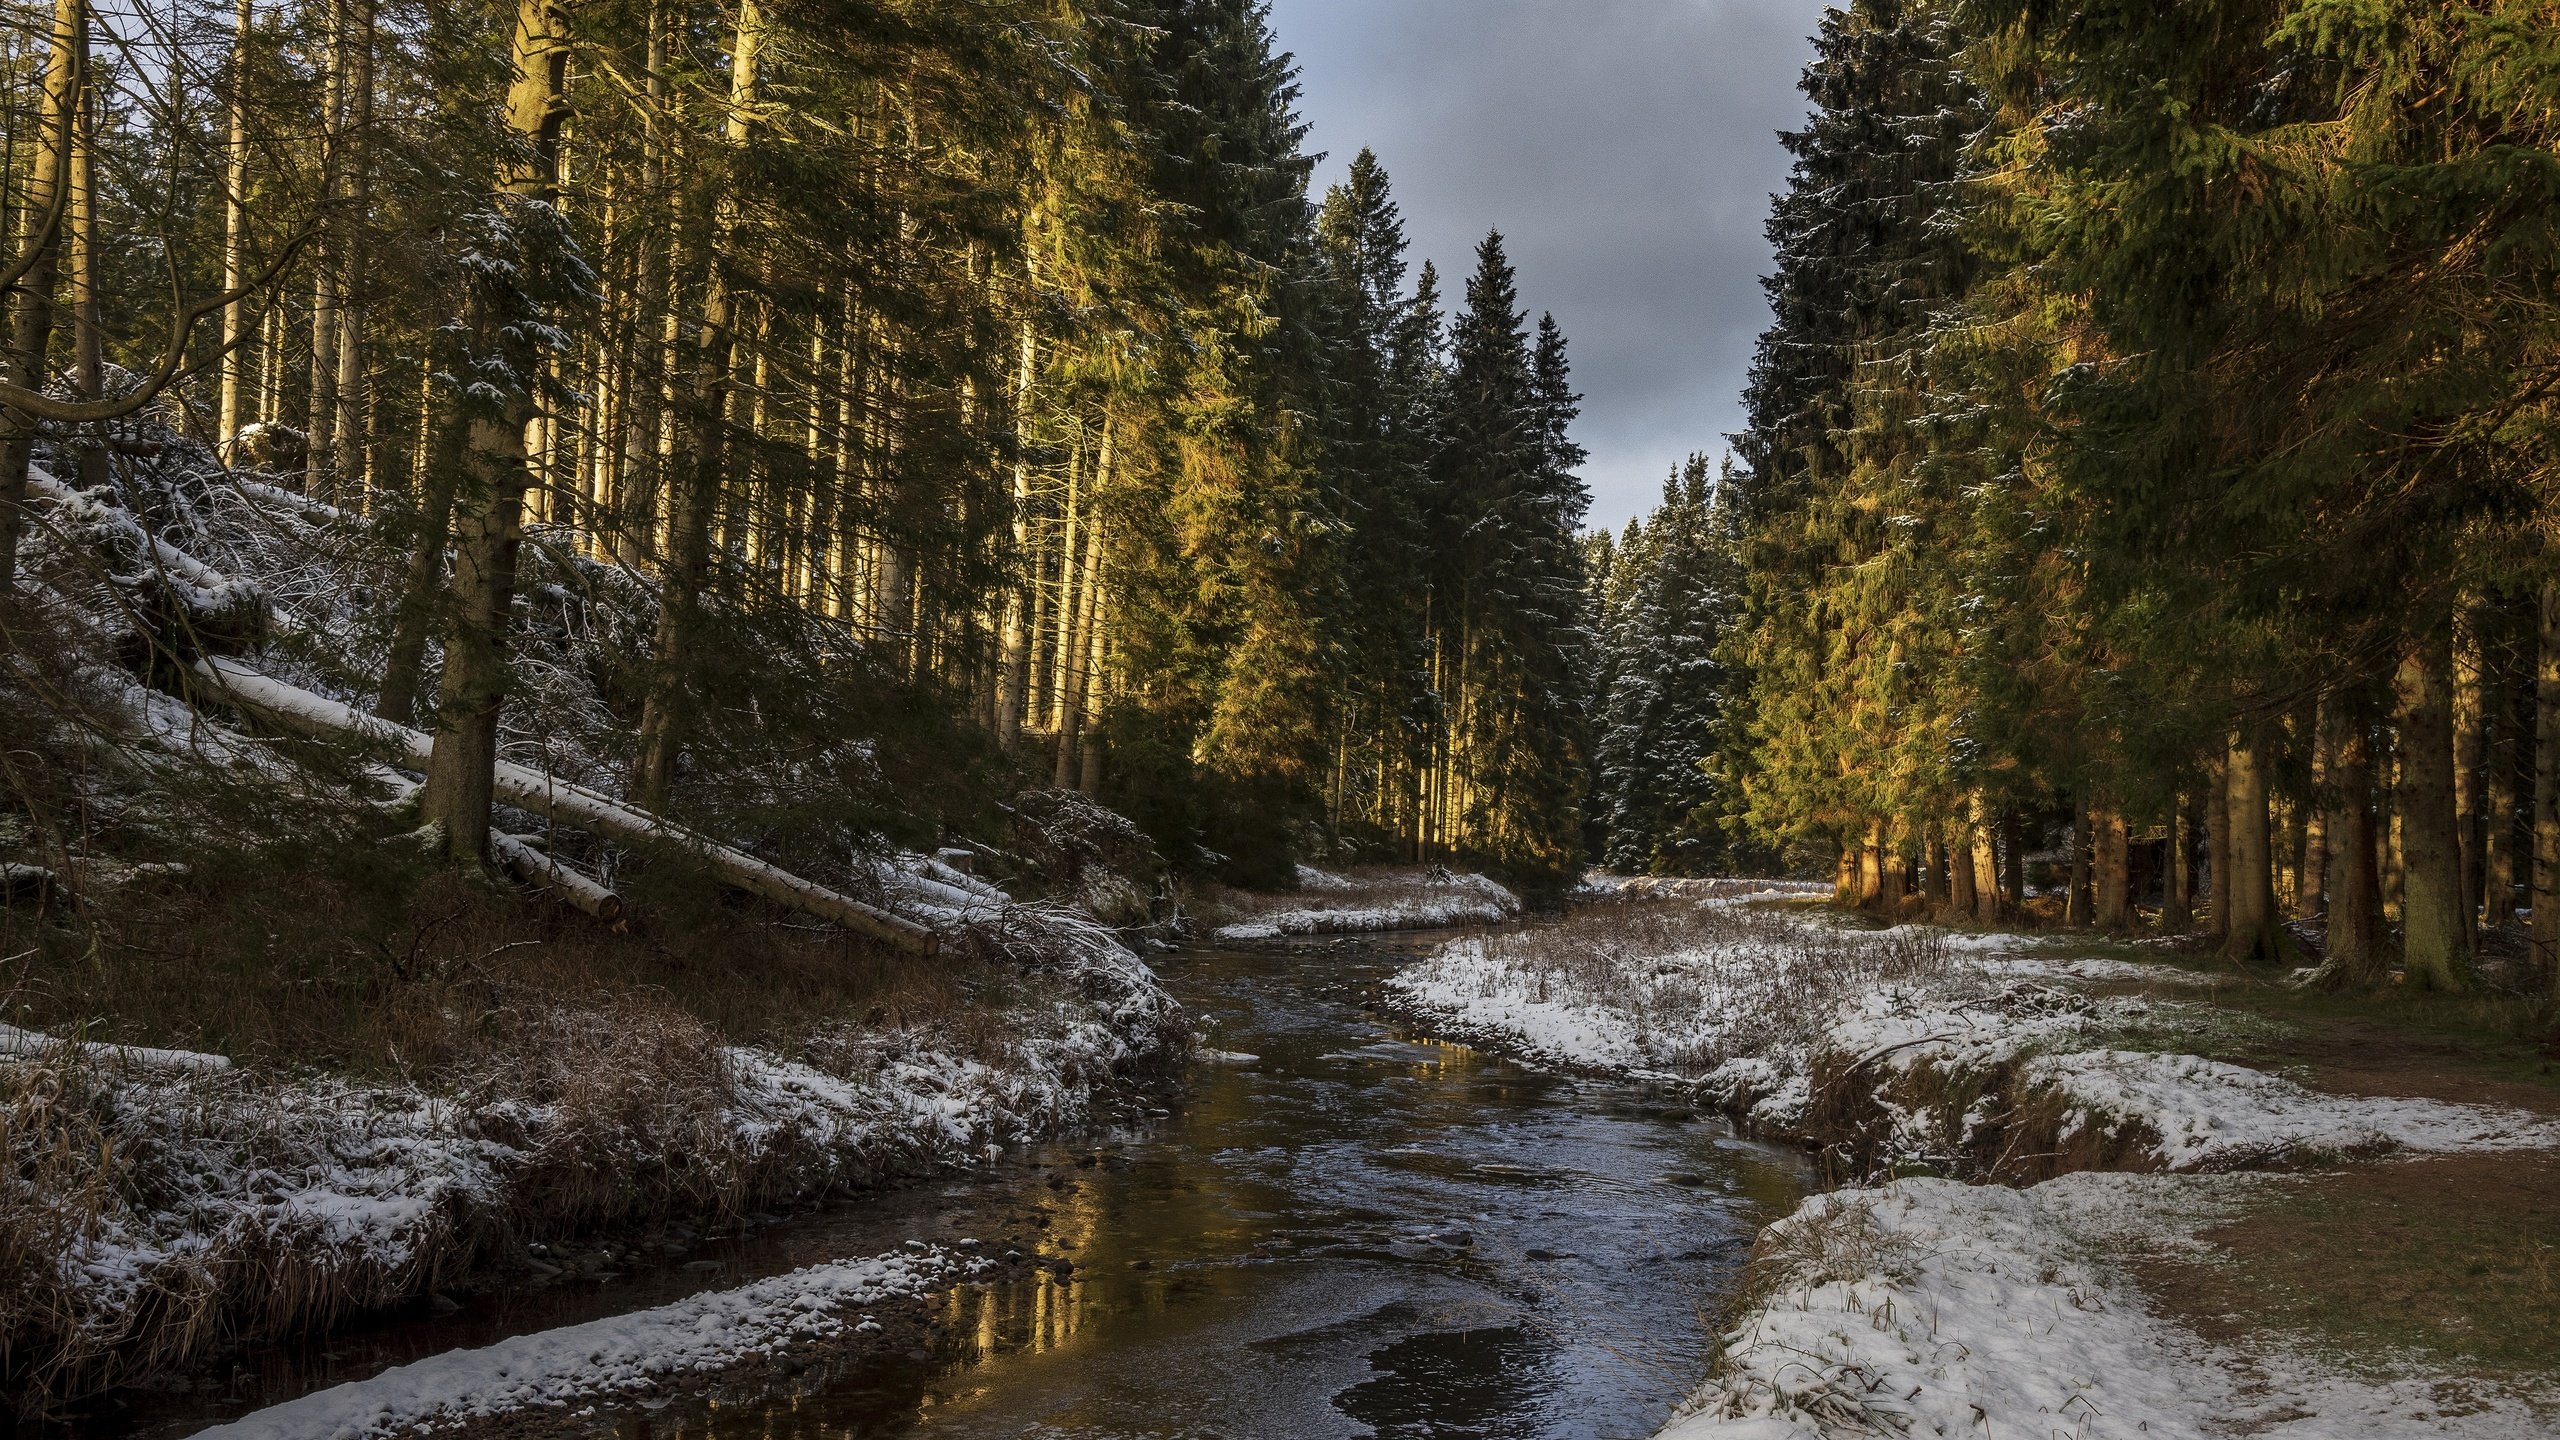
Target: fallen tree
548 795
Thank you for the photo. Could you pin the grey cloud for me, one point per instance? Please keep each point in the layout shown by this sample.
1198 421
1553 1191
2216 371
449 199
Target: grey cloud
1625 148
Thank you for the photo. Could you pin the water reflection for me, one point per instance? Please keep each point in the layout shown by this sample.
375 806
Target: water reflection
1354 1233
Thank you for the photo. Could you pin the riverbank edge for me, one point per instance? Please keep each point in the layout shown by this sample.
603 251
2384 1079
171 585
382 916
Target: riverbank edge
1845 1124
521 1188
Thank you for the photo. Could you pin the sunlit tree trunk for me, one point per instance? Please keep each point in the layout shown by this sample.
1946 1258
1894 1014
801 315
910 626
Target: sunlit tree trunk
2114 864
1986 864
456 797
235 223
40 240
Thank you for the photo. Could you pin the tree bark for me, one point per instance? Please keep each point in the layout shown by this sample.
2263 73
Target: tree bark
2435 918
2251 932
2013 861
2178 900
66 72
2354 954
460 770
697 509
2310 896
405 665
2470 751
1963 900
235 223
2075 902
1986 864
2114 861
2217 851
348 424
2546 790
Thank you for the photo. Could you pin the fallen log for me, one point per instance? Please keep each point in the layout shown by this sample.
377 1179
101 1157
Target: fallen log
536 868
549 795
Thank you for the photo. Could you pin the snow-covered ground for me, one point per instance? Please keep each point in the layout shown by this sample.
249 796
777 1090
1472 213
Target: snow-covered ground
1932 1308
1331 904
1756 1007
200 1178
617 1356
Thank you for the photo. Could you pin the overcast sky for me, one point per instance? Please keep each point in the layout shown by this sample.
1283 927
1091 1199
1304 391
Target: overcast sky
1625 148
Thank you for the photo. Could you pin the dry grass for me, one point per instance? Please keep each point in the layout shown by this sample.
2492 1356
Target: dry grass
1765 976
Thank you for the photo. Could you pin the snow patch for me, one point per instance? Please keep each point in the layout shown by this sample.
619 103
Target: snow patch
620 1355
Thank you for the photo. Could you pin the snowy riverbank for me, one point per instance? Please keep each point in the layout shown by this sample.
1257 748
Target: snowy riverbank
1365 902
167 1201
1931 1306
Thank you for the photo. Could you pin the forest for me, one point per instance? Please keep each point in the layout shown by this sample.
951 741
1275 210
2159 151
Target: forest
713 392
2148 470
738 717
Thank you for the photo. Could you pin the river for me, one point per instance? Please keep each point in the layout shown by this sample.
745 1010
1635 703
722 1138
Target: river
1354 1232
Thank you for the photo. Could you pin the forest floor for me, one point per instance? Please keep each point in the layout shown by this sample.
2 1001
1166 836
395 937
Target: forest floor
2096 1189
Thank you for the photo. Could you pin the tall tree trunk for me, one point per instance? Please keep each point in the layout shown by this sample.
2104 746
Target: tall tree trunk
2252 932
2354 954
235 223
2013 861
40 218
2217 849
1986 864
1963 900
2075 901
1013 659
2178 902
88 340
348 425
456 797
2310 898
2470 750
2435 919
2545 898
440 463
2498 849
1871 867
696 512
2114 910
1933 870
320 429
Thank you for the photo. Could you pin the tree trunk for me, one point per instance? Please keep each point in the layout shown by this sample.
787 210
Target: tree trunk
2013 861
2075 902
2217 850
88 340
2178 901
2435 919
1963 900
1871 867
696 512
1986 864
2545 899
348 424
2251 932
321 416
2310 899
66 69
2353 955
458 790
2470 750
235 223
2114 859
405 665
1933 870
1013 660
2498 849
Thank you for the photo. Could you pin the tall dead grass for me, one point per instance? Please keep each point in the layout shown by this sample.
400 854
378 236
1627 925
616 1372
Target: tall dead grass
1762 978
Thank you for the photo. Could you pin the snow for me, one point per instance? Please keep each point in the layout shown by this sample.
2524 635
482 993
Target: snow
36 1045
1932 1308
1427 900
1748 1008
620 1355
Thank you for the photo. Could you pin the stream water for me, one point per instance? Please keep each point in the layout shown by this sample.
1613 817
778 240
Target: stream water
1354 1232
